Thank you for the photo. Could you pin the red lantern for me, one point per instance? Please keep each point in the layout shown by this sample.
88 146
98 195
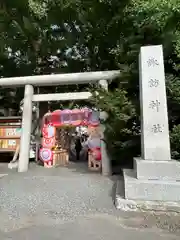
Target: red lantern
86 114
66 117
76 117
96 152
46 119
56 118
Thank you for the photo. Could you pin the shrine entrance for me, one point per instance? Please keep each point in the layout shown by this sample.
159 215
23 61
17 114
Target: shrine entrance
71 135
29 82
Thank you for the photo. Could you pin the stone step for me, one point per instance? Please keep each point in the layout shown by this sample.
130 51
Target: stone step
150 190
154 170
141 205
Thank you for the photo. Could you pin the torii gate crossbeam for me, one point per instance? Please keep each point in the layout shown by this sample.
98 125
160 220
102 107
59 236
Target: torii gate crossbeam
59 79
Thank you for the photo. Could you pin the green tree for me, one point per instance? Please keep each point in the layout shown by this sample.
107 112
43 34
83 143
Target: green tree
52 36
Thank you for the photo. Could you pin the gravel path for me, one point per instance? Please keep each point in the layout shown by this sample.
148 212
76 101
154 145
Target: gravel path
71 203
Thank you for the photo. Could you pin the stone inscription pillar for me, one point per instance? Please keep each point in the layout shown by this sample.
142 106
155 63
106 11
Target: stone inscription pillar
155 177
154 120
155 161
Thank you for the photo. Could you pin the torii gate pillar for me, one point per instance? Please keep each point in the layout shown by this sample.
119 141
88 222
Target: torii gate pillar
106 163
26 129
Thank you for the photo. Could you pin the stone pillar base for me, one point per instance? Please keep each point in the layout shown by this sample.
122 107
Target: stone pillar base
142 205
153 181
150 190
157 170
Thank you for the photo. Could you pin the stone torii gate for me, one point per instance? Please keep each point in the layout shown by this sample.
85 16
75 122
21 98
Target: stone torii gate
48 80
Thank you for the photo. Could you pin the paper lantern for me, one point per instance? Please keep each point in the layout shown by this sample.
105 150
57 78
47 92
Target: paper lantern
56 118
66 117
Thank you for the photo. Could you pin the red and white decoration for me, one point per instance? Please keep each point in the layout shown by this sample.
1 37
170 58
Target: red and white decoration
46 155
48 142
48 131
75 117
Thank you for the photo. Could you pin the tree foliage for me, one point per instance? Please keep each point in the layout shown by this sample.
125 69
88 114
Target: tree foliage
55 36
